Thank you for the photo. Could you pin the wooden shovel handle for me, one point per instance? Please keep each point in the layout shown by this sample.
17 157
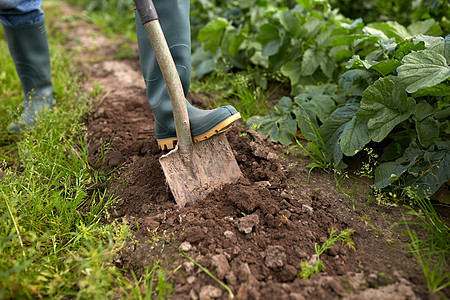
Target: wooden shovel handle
149 17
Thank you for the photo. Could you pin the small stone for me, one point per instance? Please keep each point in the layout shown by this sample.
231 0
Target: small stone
188 266
262 184
275 257
247 223
307 209
231 278
313 260
185 246
272 156
190 279
221 264
244 272
228 234
210 292
193 295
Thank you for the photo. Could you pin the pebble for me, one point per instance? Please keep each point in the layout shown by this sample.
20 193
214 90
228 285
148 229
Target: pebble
220 262
210 292
247 223
275 257
228 234
185 246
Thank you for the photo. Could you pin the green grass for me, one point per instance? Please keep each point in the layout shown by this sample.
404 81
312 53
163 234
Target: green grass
113 17
430 243
56 238
308 269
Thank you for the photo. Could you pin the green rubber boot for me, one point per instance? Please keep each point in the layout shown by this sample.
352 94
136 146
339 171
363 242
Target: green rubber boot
29 50
174 20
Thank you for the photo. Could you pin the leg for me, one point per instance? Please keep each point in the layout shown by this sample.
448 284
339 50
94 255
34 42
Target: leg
174 19
25 32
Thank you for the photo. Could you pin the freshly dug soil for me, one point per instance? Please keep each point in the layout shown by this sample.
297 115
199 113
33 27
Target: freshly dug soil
251 235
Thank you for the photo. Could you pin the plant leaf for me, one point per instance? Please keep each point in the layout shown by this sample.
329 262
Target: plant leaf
389 172
386 67
279 124
423 69
343 132
427 131
427 175
384 105
311 61
211 34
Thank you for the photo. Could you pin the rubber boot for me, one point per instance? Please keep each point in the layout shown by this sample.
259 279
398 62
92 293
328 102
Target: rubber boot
174 20
29 50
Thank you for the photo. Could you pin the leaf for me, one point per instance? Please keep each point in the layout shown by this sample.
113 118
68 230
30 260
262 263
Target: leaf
439 90
292 70
306 118
434 43
427 131
271 47
211 34
447 48
267 32
311 27
386 67
388 173
406 47
279 124
423 69
430 172
290 21
423 109
384 105
343 133
392 29
354 137
203 62
328 66
307 4
428 27
354 82
311 61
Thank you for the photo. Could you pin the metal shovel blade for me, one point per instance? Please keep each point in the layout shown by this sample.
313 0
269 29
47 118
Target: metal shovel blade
192 176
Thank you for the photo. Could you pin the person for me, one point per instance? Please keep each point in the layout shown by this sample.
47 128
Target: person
23 22
174 19
24 27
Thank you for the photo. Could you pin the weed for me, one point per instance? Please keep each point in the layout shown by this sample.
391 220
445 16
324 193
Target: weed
318 153
339 178
314 267
431 253
368 165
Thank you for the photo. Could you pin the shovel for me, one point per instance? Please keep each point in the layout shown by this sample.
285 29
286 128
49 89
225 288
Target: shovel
192 170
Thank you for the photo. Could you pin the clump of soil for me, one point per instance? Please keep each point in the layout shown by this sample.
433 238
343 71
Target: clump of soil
251 235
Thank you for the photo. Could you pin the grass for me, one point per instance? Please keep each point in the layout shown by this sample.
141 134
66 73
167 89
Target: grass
432 251
56 238
113 17
310 269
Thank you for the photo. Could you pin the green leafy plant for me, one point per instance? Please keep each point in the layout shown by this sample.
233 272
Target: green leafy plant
308 269
396 96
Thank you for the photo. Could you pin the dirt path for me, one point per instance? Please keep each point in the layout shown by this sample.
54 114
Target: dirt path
251 235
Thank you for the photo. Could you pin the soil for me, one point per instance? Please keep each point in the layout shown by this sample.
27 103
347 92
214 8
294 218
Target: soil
251 235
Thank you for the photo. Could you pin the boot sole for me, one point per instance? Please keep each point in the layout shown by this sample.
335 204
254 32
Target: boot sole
169 144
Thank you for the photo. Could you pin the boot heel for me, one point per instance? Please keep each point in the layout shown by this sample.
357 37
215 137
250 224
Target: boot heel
167 144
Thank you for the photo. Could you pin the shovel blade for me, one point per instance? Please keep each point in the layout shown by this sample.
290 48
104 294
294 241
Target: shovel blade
192 176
